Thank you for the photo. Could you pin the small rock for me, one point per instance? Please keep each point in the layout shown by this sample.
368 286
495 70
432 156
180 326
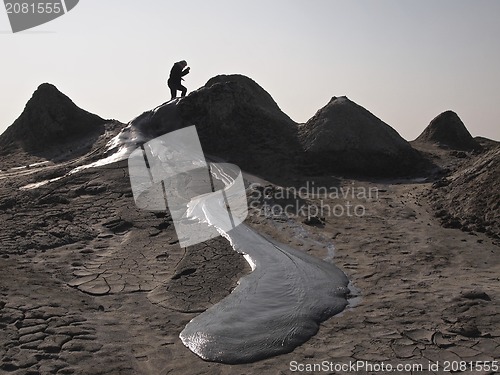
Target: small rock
467 329
314 220
475 294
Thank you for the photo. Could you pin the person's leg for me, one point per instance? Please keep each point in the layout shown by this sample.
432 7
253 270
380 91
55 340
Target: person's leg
173 92
183 90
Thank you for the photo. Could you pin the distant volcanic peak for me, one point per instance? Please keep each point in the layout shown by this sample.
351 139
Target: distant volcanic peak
448 118
48 99
447 129
50 118
343 136
47 92
343 115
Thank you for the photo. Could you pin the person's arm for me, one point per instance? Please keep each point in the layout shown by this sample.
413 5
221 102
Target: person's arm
185 71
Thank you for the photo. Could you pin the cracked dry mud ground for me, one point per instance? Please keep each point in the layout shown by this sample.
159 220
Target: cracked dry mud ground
426 293
92 285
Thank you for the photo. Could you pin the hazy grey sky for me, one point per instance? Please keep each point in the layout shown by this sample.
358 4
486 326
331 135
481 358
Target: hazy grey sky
405 61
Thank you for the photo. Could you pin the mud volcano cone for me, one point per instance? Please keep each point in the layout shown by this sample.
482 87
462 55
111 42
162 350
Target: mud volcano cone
239 121
346 138
448 130
49 119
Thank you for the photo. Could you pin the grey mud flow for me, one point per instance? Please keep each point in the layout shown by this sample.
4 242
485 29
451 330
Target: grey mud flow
275 308
20 21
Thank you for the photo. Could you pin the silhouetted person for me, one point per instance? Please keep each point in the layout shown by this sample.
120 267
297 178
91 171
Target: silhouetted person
176 74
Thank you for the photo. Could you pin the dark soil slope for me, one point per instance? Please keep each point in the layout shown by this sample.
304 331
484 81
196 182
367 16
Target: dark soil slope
239 121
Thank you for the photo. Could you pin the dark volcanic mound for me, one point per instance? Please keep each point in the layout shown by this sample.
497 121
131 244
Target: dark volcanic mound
448 130
239 121
344 137
49 120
